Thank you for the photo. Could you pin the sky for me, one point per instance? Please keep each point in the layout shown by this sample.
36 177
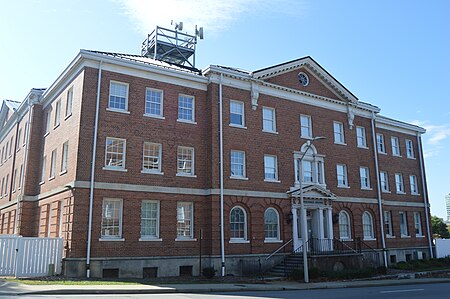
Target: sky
393 54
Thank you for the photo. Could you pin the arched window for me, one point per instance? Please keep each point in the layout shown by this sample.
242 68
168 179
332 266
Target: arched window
344 226
238 224
367 226
271 224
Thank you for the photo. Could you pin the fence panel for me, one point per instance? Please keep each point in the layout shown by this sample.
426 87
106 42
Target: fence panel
8 255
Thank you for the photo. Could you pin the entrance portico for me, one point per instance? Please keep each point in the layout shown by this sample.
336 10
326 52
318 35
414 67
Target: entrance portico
318 213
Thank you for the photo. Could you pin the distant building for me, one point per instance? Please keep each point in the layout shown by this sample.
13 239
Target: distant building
447 205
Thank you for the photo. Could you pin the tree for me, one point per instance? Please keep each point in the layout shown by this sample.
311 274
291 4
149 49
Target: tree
439 228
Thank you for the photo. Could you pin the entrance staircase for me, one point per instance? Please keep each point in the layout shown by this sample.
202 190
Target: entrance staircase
285 268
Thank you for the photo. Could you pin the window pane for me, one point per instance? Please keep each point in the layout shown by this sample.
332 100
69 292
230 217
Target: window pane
270 170
151 160
268 119
271 224
118 96
237 223
153 102
186 108
237 163
184 219
149 219
115 153
236 113
111 216
185 160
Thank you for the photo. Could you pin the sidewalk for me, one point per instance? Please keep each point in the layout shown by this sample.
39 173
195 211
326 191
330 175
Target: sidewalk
12 288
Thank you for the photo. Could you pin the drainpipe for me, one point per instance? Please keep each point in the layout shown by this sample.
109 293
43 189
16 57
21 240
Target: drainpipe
380 209
222 233
91 193
425 196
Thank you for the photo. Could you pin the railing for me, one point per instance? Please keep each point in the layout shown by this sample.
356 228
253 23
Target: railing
278 250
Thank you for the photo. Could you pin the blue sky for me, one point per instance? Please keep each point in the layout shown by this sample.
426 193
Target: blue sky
393 54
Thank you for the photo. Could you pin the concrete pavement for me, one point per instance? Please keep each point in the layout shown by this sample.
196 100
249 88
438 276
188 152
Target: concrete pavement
13 288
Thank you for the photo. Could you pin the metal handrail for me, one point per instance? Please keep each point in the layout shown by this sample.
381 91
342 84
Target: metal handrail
276 251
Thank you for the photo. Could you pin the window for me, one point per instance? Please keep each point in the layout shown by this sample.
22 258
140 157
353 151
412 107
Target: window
21 176
11 144
305 126
307 167
185 164
384 181
418 224
152 157
238 164
185 220
3 154
69 102
25 134
118 96
65 156
150 219
44 162
338 132
409 149
395 146
380 143
6 185
186 111
361 137
3 186
271 224
403 224
57 113
238 224
6 150
270 168
111 219
344 226
311 169
269 124
368 226
115 153
413 184
53 164
365 179
399 183
237 113
388 223
14 180
47 122
153 102
341 170
19 136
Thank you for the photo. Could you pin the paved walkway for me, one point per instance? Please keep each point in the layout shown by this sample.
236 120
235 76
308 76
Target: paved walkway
12 288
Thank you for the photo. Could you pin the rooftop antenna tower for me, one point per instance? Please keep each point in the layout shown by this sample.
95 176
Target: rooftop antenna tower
172 46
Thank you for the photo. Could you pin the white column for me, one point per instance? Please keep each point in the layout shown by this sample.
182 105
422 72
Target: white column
321 228
330 223
295 229
296 174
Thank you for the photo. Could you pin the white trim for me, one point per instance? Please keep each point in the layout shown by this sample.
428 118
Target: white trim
193 108
187 174
274 120
161 114
240 103
127 86
124 154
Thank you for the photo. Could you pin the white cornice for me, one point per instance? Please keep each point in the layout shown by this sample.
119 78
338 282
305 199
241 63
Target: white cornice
386 123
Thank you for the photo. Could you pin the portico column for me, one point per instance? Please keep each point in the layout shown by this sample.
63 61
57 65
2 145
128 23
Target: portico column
321 228
296 174
294 228
330 223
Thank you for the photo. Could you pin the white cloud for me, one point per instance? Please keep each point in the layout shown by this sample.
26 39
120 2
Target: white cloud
434 138
213 15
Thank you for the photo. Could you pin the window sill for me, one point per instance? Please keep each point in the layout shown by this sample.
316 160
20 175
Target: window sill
382 153
385 191
420 236
398 156
118 110
363 147
270 132
186 175
41 182
153 116
46 134
306 137
111 239
415 194
51 178
271 181
405 237
63 172
400 192
56 126
150 240
239 178
369 239
14 191
18 149
115 169
343 186
238 241
186 239
348 239
412 158
272 241
238 126
152 172
390 237
366 188
340 143
67 116
186 121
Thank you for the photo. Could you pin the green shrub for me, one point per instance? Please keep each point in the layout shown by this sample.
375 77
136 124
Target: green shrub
209 272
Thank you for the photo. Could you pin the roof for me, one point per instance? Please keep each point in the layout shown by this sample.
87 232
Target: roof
13 105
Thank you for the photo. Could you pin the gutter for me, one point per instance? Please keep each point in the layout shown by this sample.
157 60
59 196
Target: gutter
222 233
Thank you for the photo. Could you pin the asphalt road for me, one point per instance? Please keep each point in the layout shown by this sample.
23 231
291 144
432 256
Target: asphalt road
428 291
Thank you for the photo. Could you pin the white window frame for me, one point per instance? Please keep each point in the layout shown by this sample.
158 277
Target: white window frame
47 121
234 162
156 220
186 120
388 224
364 175
343 175
275 168
409 149
403 224
64 157
6 185
43 169
180 220
338 132
19 136
57 119
242 114
368 231
306 127
381 146
14 182
395 145
192 160
317 160
69 102
345 232
104 226
275 238
123 153
238 239
148 101
413 184
115 109
53 165
20 177
384 178
418 224
144 157
272 121
361 139
399 186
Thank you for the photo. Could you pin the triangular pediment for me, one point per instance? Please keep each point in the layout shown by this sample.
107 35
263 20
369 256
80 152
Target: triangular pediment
313 191
320 82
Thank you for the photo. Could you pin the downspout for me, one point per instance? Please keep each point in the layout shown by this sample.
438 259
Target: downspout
91 193
25 157
222 233
13 180
425 197
380 209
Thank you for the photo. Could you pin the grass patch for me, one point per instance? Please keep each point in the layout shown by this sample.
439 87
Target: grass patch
421 265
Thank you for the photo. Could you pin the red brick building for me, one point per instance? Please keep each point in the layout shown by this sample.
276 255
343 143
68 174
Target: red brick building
127 159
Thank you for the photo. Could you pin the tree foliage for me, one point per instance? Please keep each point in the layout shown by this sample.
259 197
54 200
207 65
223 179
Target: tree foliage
439 228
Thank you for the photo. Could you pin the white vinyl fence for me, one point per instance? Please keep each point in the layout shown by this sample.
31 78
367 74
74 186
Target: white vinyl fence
27 257
442 247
